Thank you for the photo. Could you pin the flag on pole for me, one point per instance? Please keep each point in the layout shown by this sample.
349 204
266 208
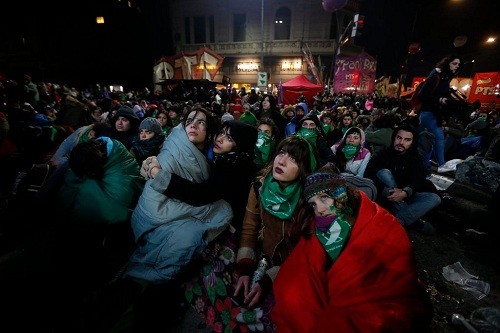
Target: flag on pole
310 61
280 94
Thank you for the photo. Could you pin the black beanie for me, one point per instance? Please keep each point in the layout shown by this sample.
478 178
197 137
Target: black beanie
245 135
127 112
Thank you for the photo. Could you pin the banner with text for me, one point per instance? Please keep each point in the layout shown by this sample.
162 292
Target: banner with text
355 73
485 88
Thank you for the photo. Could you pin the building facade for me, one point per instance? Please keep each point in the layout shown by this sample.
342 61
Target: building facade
262 42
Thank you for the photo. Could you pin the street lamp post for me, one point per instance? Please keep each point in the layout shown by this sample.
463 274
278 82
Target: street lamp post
262 35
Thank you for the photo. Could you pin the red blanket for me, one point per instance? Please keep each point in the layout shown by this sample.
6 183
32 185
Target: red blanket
372 287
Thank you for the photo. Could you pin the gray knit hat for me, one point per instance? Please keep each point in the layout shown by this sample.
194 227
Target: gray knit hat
226 116
151 124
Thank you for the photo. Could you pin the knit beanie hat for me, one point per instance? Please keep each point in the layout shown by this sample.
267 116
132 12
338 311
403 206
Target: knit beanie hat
249 118
151 124
226 116
243 134
127 112
320 182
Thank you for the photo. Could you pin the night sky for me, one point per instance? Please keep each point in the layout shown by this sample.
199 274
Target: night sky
391 25
70 47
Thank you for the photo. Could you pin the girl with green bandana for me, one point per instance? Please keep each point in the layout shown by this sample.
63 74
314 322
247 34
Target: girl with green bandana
351 155
272 225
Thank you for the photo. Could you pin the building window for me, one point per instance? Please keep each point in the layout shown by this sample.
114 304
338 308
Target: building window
187 30
334 26
239 24
211 28
282 24
200 30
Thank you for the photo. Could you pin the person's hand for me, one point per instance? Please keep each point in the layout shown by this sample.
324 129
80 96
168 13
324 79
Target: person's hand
153 168
145 167
397 195
150 167
254 296
242 286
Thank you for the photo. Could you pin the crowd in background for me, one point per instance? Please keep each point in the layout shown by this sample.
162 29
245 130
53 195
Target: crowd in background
67 131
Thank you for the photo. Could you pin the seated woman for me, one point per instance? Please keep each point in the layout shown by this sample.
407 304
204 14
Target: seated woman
149 140
102 175
170 233
230 172
357 268
351 155
211 291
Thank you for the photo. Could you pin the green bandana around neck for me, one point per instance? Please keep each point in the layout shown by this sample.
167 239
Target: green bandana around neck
334 238
350 151
277 201
311 135
326 127
263 148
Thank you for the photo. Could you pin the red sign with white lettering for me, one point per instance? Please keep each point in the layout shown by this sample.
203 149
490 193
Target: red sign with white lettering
485 88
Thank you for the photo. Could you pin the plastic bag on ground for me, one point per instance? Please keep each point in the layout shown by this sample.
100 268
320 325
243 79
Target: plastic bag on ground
457 273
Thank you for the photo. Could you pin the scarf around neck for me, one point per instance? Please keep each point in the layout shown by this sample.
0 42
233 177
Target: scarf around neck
350 151
334 238
277 201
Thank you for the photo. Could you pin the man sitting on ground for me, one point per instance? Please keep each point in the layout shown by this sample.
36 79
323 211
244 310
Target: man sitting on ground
401 181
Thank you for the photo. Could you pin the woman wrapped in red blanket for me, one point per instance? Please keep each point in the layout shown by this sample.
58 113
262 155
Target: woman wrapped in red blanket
354 271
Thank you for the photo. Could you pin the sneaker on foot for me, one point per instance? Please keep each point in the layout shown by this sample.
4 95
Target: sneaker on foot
423 227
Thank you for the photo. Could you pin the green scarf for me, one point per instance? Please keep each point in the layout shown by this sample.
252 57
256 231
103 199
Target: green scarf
311 135
326 127
264 147
350 151
334 238
277 201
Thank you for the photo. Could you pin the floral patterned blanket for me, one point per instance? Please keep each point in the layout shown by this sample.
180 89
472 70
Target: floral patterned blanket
210 292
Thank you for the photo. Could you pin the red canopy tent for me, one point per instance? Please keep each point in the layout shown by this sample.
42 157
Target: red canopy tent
291 90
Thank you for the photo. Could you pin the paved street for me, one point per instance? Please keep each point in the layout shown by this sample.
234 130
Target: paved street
37 297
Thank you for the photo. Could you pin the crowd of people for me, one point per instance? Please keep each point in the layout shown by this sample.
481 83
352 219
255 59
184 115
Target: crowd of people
255 214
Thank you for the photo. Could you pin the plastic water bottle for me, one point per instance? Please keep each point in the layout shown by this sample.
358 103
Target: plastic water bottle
260 271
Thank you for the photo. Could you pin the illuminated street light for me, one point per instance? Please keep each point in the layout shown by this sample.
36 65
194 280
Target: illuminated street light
490 40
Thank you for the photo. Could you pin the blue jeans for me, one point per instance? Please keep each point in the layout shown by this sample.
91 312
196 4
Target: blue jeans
470 146
428 120
412 208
